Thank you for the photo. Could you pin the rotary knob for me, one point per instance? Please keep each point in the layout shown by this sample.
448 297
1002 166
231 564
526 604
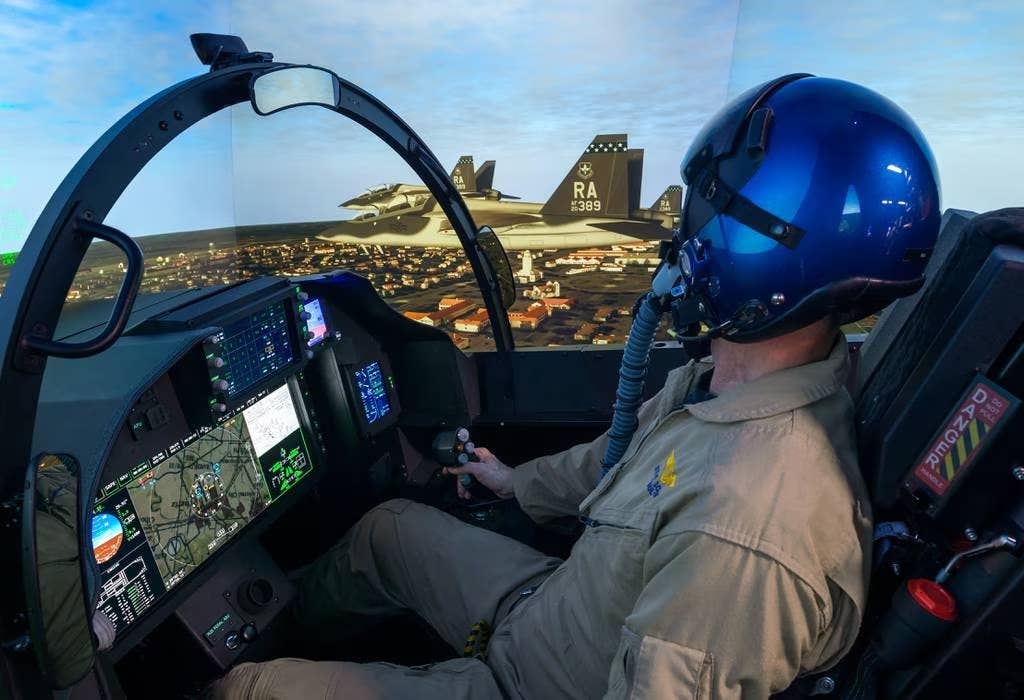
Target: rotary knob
220 385
215 362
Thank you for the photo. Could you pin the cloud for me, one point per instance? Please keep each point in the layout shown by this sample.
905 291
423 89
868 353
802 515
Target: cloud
525 82
957 70
528 84
73 69
22 5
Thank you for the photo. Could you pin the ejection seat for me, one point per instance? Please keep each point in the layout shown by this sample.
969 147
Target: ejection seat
914 369
926 348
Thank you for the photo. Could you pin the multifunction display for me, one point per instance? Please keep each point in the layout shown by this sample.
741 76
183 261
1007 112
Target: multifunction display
250 349
155 523
372 392
316 324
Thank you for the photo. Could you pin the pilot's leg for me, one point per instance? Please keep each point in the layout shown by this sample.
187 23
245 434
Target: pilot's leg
458 679
407 556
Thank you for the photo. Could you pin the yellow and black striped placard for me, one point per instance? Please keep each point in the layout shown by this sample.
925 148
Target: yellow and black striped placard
978 415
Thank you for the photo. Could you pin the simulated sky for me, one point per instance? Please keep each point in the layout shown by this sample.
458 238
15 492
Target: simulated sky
526 83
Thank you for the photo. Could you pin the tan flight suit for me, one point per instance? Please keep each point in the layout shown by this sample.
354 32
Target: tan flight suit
724 555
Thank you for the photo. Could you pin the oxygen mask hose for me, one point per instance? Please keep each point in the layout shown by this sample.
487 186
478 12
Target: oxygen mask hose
629 394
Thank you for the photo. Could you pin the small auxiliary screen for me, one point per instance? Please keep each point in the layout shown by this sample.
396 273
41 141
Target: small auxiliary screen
317 323
155 523
253 348
372 392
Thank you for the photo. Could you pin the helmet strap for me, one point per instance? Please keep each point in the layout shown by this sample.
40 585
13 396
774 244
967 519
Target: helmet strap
725 200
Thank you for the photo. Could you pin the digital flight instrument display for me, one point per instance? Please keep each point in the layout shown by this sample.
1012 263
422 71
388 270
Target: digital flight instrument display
251 349
372 392
156 522
317 322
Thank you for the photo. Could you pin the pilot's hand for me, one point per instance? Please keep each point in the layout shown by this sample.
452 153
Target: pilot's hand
489 471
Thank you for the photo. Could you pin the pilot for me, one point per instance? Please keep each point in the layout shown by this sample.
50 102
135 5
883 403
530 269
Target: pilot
727 551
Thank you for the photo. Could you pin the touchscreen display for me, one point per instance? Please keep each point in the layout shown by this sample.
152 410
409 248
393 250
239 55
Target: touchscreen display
253 348
155 523
317 323
372 392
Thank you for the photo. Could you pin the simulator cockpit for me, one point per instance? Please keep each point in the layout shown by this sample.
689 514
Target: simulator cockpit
174 460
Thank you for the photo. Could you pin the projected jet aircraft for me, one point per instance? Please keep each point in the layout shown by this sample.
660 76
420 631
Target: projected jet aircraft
596 204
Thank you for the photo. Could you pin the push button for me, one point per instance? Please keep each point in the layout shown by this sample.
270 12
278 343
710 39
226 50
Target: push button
157 417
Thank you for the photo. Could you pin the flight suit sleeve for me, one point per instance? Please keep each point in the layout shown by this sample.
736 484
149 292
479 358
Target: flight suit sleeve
716 620
553 486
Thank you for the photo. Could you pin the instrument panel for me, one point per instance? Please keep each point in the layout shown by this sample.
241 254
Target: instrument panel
155 522
255 386
215 445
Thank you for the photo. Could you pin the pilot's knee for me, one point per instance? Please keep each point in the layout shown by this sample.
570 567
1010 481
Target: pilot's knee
380 526
274 679
395 506
238 683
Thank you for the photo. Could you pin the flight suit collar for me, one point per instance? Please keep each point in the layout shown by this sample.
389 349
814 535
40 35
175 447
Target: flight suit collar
778 392
677 391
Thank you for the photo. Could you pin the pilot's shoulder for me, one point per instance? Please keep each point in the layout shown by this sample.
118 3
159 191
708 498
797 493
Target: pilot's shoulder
814 442
785 486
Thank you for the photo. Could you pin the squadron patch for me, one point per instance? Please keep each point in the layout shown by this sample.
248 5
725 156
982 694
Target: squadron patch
664 475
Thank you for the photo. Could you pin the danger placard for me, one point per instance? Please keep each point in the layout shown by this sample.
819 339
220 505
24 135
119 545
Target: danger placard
979 413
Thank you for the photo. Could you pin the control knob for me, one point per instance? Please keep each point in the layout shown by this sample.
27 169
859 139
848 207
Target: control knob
255 594
249 632
215 362
220 385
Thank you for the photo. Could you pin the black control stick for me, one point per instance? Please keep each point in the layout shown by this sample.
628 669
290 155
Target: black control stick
453 448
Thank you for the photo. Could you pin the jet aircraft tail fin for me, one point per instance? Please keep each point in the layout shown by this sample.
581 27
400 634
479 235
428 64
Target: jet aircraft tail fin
670 201
463 176
485 176
598 184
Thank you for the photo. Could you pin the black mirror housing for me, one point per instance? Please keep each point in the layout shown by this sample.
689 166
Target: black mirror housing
223 50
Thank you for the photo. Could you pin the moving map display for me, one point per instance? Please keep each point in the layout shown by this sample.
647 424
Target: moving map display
155 523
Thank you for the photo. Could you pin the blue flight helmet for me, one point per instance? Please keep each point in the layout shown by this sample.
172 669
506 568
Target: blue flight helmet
806 197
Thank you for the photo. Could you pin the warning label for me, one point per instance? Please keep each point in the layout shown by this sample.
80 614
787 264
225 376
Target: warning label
959 442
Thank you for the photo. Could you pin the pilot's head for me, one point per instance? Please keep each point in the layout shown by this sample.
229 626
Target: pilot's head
808 198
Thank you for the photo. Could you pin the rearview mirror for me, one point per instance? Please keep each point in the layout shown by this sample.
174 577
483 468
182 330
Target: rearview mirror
490 245
294 86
